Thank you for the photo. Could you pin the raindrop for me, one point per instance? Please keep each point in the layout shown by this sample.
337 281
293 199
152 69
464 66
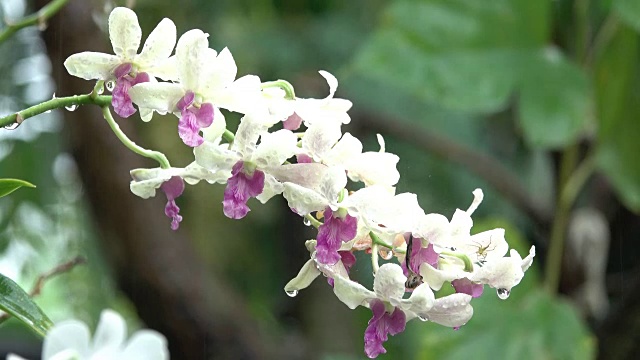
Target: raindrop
110 85
422 318
71 107
386 255
444 306
54 96
291 293
100 90
306 222
12 126
503 293
48 112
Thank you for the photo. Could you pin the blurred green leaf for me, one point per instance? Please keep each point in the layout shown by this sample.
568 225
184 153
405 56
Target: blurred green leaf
629 12
537 326
7 186
474 56
618 96
553 99
18 303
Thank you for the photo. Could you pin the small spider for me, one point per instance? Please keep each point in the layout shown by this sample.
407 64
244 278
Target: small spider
483 250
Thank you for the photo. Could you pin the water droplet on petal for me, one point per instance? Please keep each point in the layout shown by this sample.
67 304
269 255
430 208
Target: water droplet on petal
444 306
54 96
503 294
71 107
422 318
291 293
12 126
306 222
110 85
386 255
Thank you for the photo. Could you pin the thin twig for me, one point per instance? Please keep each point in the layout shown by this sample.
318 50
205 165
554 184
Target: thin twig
39 18
60 269
43 278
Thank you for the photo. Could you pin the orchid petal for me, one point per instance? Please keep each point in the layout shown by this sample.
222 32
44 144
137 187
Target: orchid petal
389 283
158 46
320 138
70 334
275 148
373 168
272 187
305 277
125 33
351 293
111 331
92 65
146 345
191 54
222 71
159 96
453 310
420 301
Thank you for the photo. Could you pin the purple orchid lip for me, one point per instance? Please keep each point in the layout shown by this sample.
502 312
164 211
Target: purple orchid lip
381 325
192 119
245 182
173 188
467 286
121 101
122 70
332 234
293 122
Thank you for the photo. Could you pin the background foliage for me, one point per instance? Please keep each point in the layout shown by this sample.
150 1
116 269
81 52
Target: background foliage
536 102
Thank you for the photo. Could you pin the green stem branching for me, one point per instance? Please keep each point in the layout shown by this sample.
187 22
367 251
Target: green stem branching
39 18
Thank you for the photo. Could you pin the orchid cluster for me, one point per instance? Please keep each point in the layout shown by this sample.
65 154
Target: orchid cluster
295 147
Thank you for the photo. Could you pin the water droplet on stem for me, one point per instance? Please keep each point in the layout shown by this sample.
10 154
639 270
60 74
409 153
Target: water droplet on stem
12 126
306 222
71 107
110 85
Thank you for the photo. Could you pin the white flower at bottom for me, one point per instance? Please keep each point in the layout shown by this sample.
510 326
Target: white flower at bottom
71 340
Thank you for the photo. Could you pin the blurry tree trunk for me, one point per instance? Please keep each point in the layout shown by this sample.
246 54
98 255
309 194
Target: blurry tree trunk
157 268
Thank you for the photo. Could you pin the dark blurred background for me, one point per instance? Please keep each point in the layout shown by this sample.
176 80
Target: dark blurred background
535 102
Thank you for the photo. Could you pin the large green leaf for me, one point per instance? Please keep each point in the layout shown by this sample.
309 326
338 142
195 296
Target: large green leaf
17 302
618 96
7 186
474 56
628 11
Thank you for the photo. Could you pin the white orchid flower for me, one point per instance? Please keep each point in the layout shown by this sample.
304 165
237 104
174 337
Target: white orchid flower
71 339
206 82
128 68
391 310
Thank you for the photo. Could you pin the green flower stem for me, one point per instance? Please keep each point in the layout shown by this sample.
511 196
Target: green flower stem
374 258
98 88
40 18
155 155
282 84
468 265
229 136
375 240
316 224
52 104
